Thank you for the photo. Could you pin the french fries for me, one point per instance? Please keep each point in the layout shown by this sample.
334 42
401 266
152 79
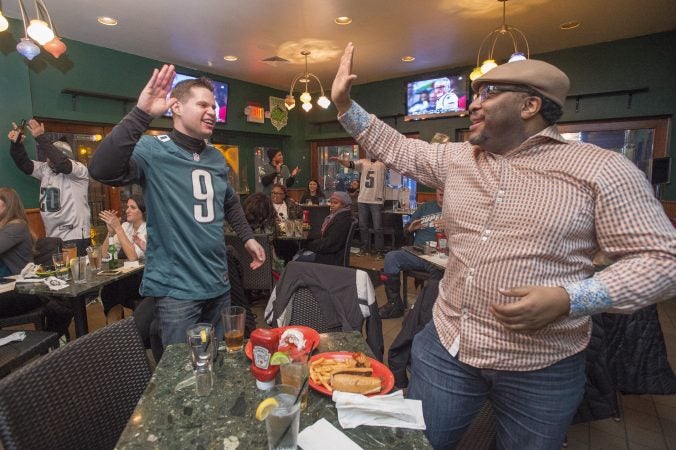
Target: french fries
322 369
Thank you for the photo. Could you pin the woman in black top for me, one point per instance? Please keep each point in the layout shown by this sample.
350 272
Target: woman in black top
313 194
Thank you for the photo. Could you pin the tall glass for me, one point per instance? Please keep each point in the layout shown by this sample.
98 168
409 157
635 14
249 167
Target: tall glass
200 340
282 422
234 318
94 253
60 261
295 374
78 268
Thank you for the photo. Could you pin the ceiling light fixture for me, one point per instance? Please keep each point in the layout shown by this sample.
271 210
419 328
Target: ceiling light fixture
408 58
514 34
343 20
108 21
305 97
230 58
40 30
570 25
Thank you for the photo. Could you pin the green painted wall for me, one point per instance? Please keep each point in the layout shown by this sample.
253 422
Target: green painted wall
34 88
646 61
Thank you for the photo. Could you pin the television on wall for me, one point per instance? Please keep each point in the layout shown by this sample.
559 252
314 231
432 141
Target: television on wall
221 89
440 96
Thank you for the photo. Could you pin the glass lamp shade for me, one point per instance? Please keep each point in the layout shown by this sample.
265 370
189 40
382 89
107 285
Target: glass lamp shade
476 73
27 48
305 97
517 56
323 102
307 106
39 31
3 23
489 64
289 102
55 47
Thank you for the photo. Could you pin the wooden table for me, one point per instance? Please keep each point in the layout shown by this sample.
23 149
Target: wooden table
16 353
165 418
78 293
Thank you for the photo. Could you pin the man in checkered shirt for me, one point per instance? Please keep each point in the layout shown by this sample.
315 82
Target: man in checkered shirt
524 213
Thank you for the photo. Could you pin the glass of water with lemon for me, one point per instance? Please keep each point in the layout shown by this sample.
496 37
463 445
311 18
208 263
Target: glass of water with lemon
281 412
200 341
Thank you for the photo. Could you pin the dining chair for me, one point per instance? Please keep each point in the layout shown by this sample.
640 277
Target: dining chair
348 242
261 278
79 396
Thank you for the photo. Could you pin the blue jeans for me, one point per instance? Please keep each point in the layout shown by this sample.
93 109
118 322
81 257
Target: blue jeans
398 260
175 316
375 212
533 408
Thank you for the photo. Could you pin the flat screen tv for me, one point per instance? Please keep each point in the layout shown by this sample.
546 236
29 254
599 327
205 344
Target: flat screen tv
220 94
442 96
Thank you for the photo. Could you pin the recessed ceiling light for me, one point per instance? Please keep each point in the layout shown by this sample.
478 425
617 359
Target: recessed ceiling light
210 63
408 58
570 25
230 58
343 20
103 20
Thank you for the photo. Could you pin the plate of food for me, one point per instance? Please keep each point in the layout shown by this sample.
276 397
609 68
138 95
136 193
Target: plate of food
349 372
294 339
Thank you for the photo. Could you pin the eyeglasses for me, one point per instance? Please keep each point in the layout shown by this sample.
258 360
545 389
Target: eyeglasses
277 193
491 90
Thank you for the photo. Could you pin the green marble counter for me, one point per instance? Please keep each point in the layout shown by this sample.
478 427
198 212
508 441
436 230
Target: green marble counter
170 419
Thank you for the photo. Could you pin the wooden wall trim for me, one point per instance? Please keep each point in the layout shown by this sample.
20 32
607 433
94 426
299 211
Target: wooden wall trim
670 208
35 222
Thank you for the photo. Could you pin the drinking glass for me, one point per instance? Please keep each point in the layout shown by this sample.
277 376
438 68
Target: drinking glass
281 424
60 261
94 253
200 340
295 374
79 269
233 321
71 250
298 228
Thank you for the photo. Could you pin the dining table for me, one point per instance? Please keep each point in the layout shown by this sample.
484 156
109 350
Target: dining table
169 416
79 293
438 260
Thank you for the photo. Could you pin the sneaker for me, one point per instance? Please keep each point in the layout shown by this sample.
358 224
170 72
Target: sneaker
393 312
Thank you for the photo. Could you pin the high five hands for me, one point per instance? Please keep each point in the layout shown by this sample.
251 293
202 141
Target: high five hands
340 90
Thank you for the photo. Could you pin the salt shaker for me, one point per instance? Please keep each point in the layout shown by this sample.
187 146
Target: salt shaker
203 376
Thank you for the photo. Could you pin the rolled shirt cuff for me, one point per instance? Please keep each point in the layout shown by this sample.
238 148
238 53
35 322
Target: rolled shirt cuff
355 120
588 297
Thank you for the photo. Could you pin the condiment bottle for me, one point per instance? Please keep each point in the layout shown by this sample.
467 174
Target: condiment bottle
306 217
203 376
112 263
442 243
264 342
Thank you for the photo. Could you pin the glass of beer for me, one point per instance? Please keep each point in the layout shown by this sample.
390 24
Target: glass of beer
94 253
233 321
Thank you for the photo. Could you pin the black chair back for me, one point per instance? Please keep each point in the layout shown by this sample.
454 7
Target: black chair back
348 243
45 247
261 278
306 311
79 396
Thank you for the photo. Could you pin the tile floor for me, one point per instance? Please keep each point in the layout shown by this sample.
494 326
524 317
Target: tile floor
648 422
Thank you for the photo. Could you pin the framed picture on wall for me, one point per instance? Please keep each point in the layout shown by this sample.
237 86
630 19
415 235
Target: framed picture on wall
231 155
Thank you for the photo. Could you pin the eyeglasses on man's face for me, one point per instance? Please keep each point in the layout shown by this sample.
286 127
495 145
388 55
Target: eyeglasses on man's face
491 90
277 193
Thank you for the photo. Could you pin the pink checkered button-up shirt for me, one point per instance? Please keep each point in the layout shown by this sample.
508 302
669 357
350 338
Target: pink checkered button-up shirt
534 217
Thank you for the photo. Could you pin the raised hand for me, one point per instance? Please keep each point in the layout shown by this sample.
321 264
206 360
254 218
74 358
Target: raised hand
153 98
295 171
111 220
14 132
36 128
537 307
340 90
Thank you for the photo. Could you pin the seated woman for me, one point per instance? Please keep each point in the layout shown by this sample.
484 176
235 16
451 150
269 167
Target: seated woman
329 248
313 194
130 242
16 250
285 207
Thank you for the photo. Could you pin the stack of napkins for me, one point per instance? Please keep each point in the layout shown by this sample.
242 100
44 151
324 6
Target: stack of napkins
14 337
324 436
391 410
54 284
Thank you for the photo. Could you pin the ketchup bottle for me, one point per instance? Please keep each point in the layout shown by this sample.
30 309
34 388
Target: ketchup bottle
264 343
442 243
306 216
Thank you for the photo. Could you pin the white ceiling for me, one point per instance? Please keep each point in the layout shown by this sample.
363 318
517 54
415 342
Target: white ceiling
439 33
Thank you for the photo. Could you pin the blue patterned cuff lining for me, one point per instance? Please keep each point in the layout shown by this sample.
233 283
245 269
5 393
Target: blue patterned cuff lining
355 120
587 297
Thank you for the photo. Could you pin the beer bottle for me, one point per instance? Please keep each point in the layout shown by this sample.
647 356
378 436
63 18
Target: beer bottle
112 262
